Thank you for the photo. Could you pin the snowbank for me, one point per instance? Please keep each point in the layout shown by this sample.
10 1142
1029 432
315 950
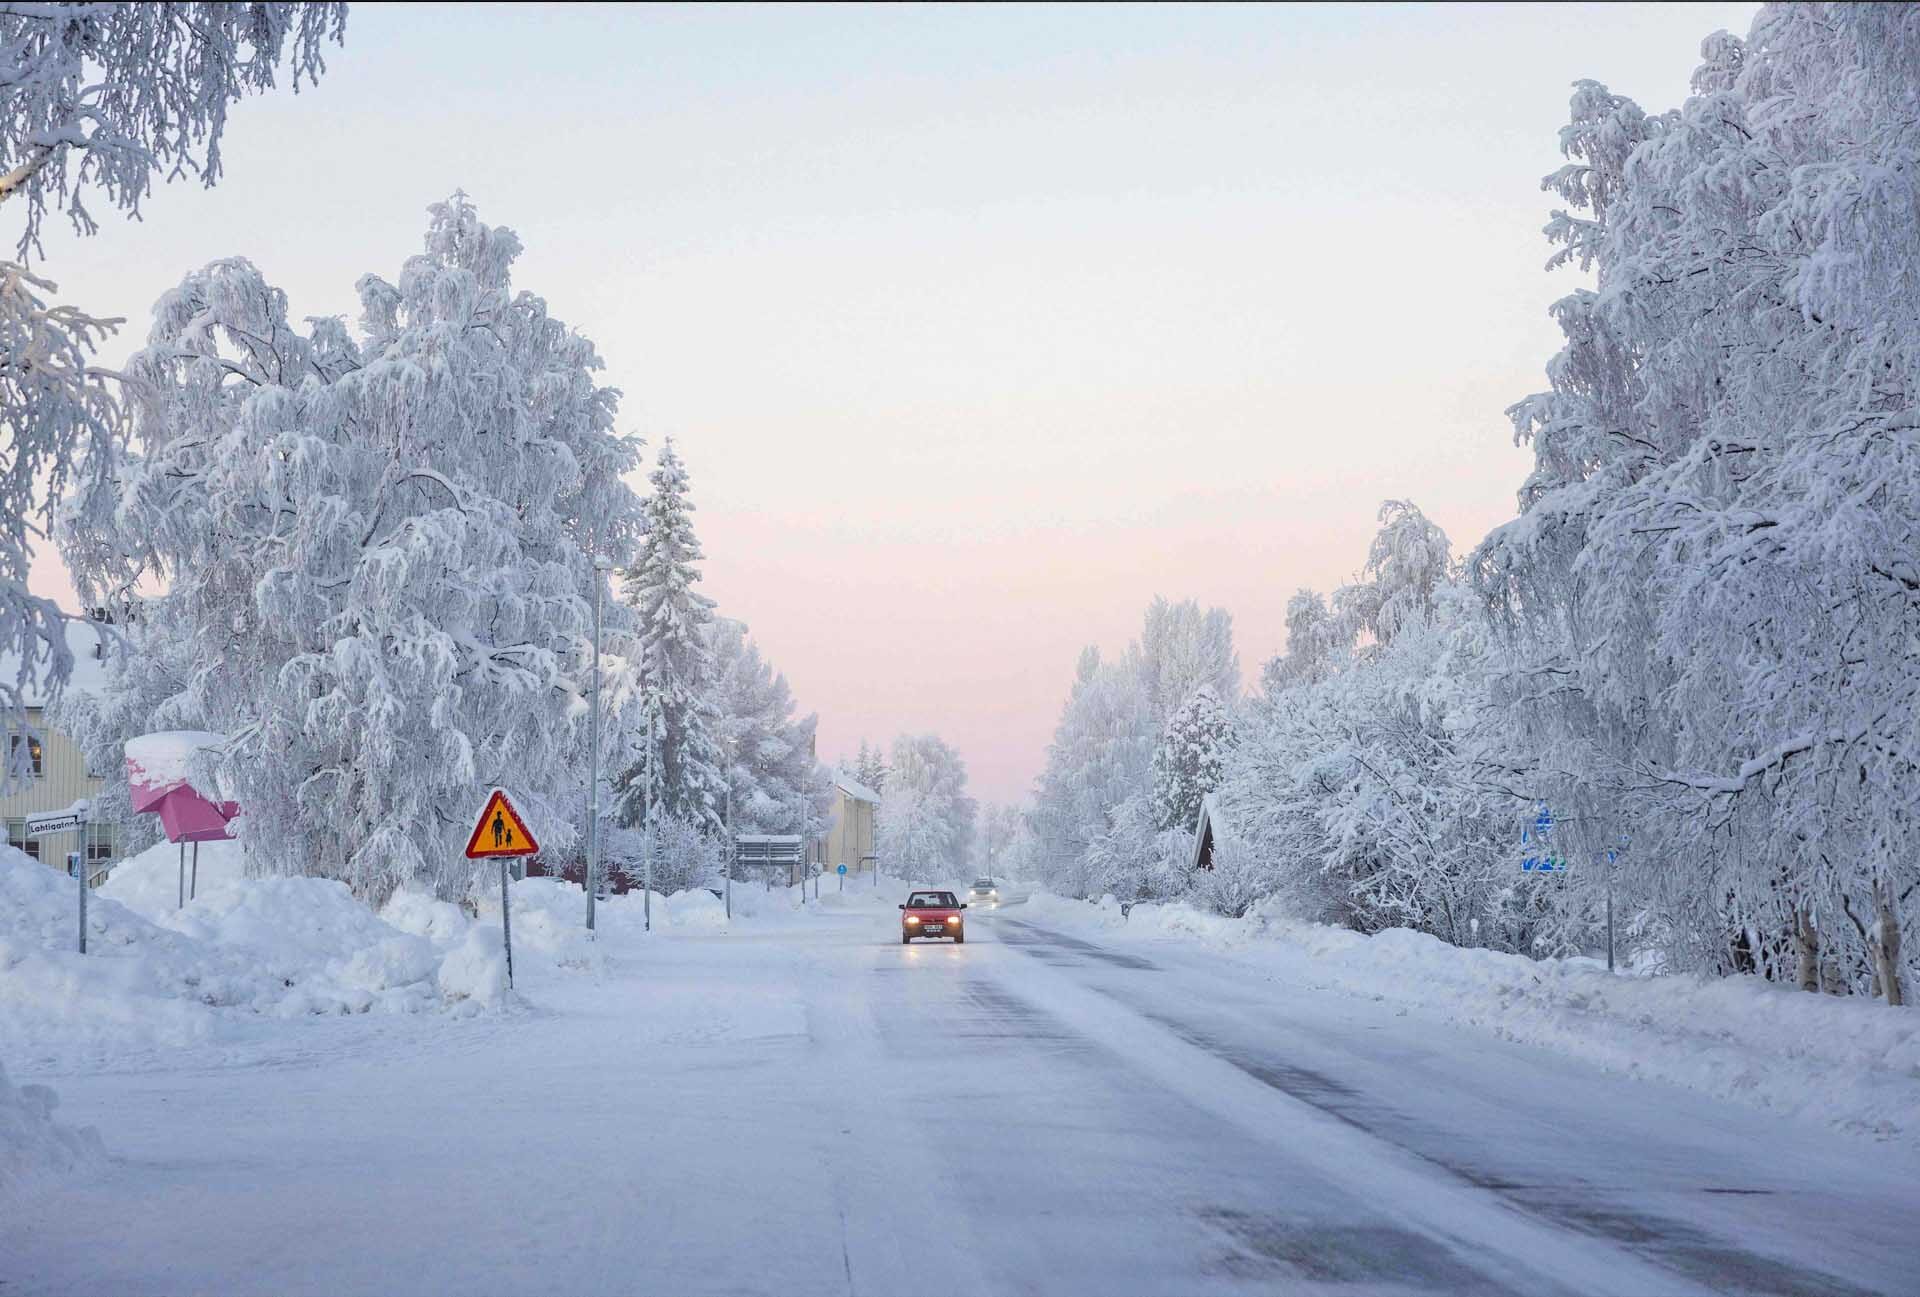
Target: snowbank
158 975
1845 1062
32 1143
149 883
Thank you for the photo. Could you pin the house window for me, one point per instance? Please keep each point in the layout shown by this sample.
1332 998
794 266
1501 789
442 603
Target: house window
17 838
35 756
100 846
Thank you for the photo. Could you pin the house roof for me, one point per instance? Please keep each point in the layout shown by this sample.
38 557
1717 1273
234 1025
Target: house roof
854 788
1209 817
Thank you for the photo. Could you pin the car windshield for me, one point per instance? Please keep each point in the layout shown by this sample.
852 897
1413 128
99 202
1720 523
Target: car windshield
929 900
983 885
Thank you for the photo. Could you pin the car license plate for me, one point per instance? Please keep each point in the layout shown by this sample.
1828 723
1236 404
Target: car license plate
936 927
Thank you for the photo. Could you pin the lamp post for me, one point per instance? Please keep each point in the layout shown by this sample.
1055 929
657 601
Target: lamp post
600 569
727 829
653 803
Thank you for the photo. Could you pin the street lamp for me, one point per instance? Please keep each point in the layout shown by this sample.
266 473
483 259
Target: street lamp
600 569
727 826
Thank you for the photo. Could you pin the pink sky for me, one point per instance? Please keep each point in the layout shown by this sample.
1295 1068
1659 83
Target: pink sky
977 327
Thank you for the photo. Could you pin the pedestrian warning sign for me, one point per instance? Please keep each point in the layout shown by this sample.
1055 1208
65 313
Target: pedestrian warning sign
500 831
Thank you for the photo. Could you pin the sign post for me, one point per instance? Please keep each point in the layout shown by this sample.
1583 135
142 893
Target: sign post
500 834
842 871
77 862
71 820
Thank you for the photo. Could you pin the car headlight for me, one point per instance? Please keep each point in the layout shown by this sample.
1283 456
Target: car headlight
911 919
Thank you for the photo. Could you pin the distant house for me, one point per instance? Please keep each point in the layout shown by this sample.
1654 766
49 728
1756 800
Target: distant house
1203 832
849 837
59 773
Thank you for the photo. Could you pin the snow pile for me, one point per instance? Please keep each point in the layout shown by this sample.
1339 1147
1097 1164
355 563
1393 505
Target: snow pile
1845 1061
157 975
696 908
149 883
32 1143
474 972
550 920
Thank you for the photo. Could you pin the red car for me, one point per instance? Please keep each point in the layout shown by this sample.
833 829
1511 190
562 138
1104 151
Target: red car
931 914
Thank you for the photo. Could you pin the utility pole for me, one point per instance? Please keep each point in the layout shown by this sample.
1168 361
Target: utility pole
600 569
653 804
729 832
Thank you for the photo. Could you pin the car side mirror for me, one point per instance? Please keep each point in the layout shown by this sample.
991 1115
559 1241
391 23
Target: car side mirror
903 907
963 905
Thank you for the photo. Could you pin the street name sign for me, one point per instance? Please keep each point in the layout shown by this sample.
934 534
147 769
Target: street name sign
48 822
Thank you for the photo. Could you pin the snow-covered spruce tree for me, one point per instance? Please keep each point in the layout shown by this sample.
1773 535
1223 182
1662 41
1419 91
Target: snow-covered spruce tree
1189 758
98 97
925 827
675 770
1715 579
376 553
778 784
870 767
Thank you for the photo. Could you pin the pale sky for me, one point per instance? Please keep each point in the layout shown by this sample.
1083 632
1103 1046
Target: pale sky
977 327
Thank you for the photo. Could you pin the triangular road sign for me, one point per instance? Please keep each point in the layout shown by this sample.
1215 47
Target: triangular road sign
500 831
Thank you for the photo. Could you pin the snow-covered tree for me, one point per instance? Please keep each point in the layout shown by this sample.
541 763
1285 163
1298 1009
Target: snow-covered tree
676 769
778 784
925 827
1714 583
1101 757
1184 649
870 767
376 553
99 97
1189 759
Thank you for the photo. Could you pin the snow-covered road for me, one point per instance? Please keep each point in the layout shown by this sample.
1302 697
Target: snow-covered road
816 1109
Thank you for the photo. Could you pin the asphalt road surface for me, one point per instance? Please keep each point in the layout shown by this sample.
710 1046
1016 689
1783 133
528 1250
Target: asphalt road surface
816 1109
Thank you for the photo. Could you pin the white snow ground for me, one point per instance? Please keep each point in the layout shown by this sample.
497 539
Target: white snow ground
798 1104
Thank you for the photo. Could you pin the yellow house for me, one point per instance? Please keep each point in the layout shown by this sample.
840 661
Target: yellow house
849 837
59 775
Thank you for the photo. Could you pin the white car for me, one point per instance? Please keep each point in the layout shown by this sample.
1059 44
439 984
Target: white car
984 892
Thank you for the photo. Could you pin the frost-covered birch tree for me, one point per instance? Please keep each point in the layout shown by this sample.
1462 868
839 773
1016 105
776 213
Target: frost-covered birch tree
925 826
99 98
1095 824
778 785
376 551
1715 580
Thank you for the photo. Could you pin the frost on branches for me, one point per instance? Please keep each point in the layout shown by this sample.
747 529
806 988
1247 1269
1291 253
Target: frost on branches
777 784
1095 825
925 826
98 97
375 552
676 770
1190 758
1715 581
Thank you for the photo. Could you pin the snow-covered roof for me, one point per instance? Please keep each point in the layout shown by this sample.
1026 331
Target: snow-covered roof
854 788
162 759
89 671
1209 818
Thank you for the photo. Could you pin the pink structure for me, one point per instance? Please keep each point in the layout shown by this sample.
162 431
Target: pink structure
157 774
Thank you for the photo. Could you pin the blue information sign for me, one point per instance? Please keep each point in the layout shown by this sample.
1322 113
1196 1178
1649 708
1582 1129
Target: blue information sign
1533 840
841 870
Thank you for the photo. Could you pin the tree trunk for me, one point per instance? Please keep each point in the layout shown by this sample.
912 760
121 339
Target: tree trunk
1806 943
1886 942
